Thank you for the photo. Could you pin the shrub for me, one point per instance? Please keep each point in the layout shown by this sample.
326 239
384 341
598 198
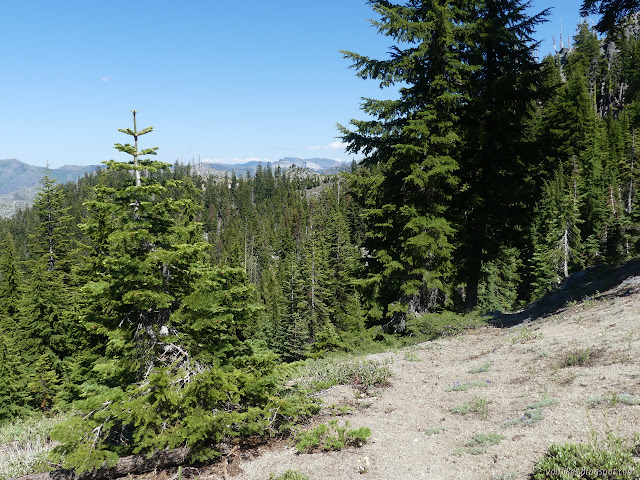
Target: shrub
580 358
365 375
331 437
612 459
479 406
463 387
532 414
615 399
434 430
479 443
485 367
289 475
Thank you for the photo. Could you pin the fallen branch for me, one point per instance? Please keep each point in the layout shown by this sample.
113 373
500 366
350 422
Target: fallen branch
132 465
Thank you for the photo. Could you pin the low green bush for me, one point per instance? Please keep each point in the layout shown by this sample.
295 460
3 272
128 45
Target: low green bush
331 436
609 460
289 475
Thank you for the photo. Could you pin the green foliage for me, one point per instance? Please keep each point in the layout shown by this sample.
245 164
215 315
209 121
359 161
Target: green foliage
10 280
479 406
609 459
503 85
178 368
409 172
485 439
611 12
463 387
13 391
532 414
432 326
289 475
615 399
485 367
331 436
44 383
580 358
434 430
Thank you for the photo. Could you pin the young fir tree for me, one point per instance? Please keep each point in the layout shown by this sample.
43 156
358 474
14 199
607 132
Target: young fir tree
409 144
178 368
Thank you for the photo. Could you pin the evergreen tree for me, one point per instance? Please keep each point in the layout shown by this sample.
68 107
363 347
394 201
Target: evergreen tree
178 368
13 382
10 280
51 238
409 174
497 195
612 11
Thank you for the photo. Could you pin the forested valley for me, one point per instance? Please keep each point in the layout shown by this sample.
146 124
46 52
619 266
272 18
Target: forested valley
159 308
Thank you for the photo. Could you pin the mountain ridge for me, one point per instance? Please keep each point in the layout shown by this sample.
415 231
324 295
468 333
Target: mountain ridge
19 181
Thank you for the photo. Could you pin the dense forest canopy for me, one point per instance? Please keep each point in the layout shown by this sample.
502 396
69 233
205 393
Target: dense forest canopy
484 185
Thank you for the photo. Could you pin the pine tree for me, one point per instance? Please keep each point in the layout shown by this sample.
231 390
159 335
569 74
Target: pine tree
409 144
51 238
178 368
497 194
10 291
612 12
13 382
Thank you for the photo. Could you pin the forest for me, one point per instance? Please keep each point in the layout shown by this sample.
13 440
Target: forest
159 308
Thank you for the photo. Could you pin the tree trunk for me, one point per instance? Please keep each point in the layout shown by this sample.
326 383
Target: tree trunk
565 253
132 465
473 279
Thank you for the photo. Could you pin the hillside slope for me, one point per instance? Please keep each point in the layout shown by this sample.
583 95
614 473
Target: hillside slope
576 368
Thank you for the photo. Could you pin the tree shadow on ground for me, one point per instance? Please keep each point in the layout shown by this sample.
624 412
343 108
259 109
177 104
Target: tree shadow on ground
600 281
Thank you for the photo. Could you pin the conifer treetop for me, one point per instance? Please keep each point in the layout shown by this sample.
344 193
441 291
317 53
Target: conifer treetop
137 163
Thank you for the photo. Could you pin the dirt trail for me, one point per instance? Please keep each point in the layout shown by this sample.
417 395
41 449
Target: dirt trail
526 366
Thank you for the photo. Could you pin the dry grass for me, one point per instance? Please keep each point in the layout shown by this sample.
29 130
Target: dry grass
24 446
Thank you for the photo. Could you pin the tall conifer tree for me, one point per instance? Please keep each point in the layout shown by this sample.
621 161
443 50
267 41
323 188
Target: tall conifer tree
409 145
497 193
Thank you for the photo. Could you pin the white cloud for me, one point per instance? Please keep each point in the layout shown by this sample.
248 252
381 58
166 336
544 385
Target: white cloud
331 146
105 79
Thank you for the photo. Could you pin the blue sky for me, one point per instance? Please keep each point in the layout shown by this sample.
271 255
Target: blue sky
218 80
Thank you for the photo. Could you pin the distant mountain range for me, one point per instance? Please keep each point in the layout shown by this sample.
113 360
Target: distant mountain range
19 182
323 166
15 175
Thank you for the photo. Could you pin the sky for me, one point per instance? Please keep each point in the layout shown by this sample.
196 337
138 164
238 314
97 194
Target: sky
218 80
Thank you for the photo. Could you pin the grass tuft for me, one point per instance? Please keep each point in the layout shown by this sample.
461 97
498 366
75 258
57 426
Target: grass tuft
485 367
289 475
532 414
615 399
579 358
479 406
463 387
